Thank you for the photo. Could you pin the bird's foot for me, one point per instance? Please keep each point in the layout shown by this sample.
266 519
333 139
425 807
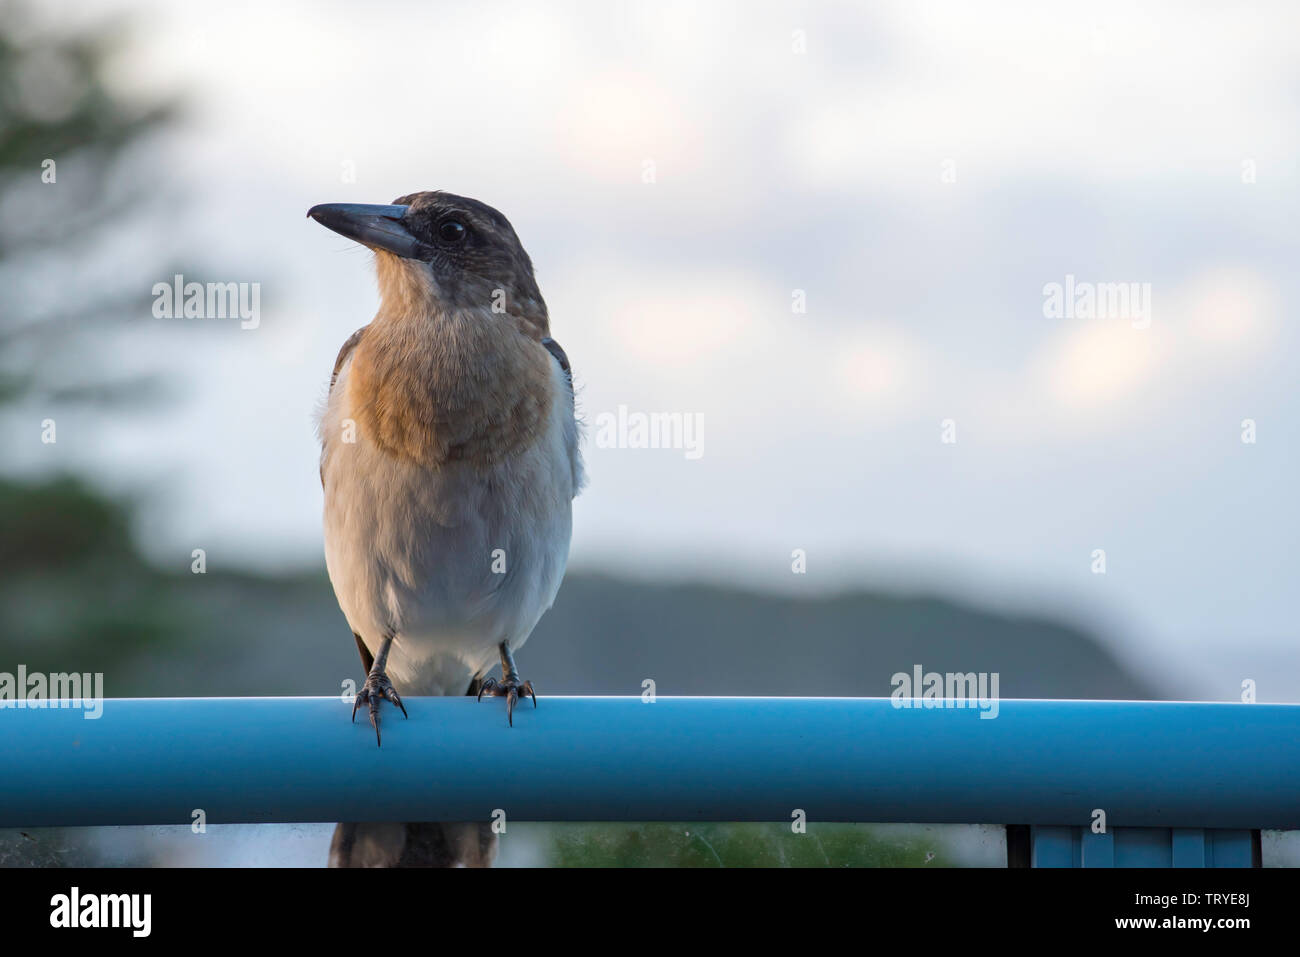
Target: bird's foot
510 688
376 688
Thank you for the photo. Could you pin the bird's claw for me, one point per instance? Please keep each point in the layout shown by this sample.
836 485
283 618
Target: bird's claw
377 688
511 689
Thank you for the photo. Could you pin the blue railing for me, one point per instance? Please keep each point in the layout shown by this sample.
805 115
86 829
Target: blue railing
1184 767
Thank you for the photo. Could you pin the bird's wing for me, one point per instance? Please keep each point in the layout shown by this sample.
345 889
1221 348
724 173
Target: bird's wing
571 432
556 350
346 351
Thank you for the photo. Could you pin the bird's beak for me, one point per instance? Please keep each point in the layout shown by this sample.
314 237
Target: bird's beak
379 227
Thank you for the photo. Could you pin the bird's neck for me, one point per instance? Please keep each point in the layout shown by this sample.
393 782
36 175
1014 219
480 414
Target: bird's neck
432 385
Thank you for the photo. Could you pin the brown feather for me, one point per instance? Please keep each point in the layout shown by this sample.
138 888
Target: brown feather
464 386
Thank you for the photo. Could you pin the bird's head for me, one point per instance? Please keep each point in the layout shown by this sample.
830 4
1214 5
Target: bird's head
440 252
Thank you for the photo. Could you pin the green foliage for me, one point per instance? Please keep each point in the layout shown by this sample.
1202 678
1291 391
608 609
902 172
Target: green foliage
53 98
75 595
736 845
58 523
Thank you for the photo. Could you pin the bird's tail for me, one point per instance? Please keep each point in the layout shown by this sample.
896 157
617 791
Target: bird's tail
418 844
433 844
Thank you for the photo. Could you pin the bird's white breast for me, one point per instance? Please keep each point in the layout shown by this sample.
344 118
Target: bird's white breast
453 559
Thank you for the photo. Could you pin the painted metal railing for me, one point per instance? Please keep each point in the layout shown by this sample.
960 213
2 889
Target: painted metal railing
1208 769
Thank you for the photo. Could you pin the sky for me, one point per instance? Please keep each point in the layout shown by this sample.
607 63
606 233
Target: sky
916 176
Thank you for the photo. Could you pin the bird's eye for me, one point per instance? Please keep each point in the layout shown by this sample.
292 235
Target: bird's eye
452 231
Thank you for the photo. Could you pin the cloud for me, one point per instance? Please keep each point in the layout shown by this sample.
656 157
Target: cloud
1203 331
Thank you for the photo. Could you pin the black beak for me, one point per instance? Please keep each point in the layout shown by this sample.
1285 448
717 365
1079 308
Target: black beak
379 227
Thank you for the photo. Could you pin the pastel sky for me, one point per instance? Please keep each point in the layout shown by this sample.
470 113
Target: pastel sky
921 171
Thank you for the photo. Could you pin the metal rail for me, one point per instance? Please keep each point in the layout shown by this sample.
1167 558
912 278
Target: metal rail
1145 764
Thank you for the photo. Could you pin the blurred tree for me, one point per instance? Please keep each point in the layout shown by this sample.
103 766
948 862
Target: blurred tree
75 595
74 592
71 183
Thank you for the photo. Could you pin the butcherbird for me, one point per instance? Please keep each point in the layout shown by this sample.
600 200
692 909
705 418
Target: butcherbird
449 461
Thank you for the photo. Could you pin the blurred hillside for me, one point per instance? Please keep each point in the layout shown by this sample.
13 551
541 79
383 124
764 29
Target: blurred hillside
76 596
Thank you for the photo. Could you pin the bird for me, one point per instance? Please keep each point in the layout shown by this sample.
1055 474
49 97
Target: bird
450 459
